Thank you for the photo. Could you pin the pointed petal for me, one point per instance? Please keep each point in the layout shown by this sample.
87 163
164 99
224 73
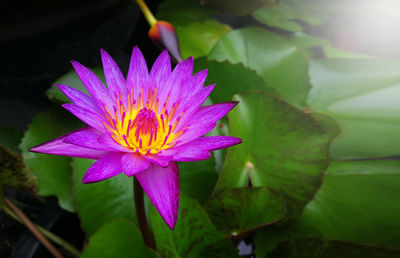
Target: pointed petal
133 163
107 140
59 147
80 98
200 148
108 166
204 120
160 160
162 187
89 137
161 68
114 78
138 74
86 116
93 84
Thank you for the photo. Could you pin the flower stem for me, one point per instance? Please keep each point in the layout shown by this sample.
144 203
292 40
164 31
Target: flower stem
141 214
56 239
29 224
146 12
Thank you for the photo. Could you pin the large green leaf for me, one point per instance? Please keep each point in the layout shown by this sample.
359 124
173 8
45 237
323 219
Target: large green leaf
194 234
54 173
281 64
248 208
71 79
198 38
197 179
358 202
283 149
303 247
230 79
117 238
181 12
238 7
362 95
101 202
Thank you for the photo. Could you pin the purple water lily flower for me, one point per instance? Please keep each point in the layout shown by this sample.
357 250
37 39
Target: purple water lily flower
142 125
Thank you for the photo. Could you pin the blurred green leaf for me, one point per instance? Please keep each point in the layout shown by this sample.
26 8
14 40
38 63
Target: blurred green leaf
283 149
197 179
198 38
194 234
358 202
71 79
362 96
10 138
117 238
182 12
303 247
331 52
248 208
103 201
54 173
281 64
237 7
230 79
303 40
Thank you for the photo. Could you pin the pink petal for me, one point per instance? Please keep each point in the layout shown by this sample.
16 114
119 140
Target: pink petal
138 75
161 68
199 148
158 159
114 78
89 137
107 166
59 147
86 116
133 163
162 187
204 120
80 98
107 140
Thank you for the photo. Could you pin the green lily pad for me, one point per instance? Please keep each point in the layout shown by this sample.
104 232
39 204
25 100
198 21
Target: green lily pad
248 208
101 202
271 56
361 95
194 234
358 202
230 79
283 149
54 173
71 79
117 238
198 38
237 7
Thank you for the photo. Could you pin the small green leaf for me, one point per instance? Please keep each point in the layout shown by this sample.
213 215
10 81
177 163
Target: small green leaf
331 52
230 79
197 179
358 202
362 96
117 238
303 40
71 79
271 56
101 202
198 38
238 7
278 16
194 234
306 247
283 149
248 208
54 173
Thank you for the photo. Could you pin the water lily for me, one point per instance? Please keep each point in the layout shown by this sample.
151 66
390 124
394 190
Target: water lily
142 125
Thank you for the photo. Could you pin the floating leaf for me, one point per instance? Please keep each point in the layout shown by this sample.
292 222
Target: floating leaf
198 38
117 238
248 208
362 96
238 7
281 64
194 234
283 149
358 202
54 173
103 201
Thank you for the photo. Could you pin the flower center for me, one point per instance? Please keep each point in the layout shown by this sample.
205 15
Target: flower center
144 128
